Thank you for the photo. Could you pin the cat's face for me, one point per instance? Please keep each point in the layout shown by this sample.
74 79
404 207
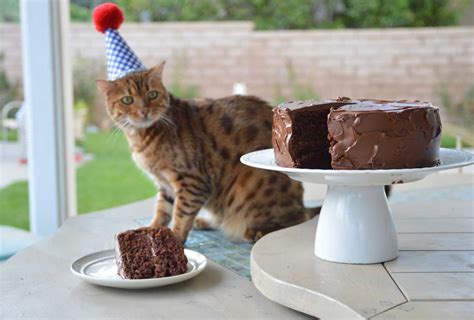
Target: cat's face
137 100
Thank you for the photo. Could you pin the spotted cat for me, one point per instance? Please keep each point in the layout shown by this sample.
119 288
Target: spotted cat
191 149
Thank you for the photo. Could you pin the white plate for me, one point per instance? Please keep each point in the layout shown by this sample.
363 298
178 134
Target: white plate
100 268
450 159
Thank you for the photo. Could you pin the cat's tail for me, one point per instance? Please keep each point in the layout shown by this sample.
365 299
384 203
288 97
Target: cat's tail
312 212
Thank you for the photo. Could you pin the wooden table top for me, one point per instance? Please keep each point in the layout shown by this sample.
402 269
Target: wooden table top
432 278
37 283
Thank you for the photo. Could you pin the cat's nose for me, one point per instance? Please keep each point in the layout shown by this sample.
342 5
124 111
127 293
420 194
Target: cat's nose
143 112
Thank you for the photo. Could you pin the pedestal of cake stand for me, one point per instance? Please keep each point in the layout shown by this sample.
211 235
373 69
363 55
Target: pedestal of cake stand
356 226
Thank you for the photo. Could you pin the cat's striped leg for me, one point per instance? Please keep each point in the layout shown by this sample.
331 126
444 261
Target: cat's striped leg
185 210
163 210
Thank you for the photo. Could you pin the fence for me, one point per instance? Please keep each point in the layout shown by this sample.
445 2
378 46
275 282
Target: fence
375 63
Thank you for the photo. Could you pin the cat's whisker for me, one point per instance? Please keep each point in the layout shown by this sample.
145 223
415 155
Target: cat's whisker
121 125
168 123
112 139
124 124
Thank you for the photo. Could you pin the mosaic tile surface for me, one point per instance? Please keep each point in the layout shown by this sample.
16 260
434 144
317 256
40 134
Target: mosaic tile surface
236 255
215 246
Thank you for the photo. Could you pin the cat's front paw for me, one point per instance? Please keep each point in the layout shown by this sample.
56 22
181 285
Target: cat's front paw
202 224
181 236
253 235
155 223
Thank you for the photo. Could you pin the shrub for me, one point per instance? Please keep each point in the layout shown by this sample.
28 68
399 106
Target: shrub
284 14
85 72
8 91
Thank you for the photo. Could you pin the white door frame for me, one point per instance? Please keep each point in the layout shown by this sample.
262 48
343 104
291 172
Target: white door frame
48 96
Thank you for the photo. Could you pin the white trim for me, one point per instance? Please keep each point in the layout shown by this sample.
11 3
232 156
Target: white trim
64 82
47 88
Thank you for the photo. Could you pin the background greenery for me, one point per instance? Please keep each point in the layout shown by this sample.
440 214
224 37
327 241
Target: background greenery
110 179
278 14
301 14
9 91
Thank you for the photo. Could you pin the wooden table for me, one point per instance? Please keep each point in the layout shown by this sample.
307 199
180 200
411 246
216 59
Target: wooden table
36 282
432 278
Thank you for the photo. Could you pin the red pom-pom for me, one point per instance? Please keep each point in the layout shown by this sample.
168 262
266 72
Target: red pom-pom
107 15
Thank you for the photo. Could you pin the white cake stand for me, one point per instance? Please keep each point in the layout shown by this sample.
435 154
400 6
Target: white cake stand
355 225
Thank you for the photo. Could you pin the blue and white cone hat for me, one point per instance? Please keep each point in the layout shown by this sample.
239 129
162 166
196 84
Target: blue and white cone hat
121 60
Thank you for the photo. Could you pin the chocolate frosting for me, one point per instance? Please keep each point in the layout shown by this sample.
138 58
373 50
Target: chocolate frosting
376 134
299 133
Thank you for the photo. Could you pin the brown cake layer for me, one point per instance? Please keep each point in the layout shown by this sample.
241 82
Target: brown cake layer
384 135
149 253
299 134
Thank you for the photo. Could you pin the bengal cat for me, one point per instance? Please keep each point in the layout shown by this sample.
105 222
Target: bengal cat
191 149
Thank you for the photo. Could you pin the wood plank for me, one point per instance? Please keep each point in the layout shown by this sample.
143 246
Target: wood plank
432 261
425 209
436 286
433 310
424 225
436 241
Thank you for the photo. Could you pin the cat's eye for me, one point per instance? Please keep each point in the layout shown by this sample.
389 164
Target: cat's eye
152 95
127 100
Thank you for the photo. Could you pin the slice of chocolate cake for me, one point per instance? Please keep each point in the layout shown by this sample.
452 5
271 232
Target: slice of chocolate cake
149 253
299 134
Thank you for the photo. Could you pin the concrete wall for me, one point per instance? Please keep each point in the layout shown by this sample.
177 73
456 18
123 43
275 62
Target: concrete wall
375 63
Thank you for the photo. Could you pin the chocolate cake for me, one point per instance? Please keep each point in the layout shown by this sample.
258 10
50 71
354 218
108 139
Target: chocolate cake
299 133
384 135
356 134
149 253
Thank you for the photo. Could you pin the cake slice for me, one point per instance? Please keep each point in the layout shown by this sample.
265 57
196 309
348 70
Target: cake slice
300 130
149 253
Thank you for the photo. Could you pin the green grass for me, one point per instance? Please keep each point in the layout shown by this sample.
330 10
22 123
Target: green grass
110 179
448 141
11 134
14 205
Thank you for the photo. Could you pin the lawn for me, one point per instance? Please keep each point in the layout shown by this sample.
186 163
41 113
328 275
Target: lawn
109 180
11 135
449 141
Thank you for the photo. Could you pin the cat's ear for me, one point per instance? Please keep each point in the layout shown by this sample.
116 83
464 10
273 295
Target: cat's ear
157 71
105 86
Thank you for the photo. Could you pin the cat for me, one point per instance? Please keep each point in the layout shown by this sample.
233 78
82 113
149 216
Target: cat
192 150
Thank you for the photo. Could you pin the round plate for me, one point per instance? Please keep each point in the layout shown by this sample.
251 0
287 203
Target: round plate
100 268
450 159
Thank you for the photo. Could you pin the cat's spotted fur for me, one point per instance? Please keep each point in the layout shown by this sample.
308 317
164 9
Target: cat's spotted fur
192 150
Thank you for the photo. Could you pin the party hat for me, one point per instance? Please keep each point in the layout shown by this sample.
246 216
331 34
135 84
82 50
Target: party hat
121 60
